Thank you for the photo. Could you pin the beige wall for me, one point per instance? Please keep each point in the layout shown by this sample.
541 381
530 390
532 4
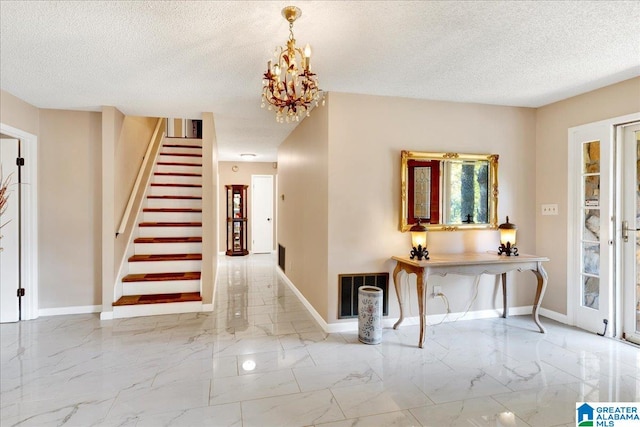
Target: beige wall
112 120
209 208
177 128
241 177
69 208
303 167
552 124
130 149
340 174
366 135
18 114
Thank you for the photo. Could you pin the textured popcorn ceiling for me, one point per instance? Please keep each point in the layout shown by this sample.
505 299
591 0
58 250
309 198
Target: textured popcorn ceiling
180 58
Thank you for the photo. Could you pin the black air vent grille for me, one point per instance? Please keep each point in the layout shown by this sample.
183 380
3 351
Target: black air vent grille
348 292
281 257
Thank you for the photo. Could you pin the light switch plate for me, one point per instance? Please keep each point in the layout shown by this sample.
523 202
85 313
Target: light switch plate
551 209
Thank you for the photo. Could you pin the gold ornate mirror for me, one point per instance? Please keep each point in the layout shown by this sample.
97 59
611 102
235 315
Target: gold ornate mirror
449 191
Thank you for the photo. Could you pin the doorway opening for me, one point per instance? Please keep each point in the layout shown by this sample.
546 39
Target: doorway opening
19 292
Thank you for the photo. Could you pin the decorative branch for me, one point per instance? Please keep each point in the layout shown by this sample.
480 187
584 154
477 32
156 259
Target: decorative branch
4 197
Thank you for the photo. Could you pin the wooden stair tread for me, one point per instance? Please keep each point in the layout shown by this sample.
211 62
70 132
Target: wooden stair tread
196 175
161 277
172 210
181 154
170 224
166 257
181 146
167 184
178 164
194 239
176 197
158 298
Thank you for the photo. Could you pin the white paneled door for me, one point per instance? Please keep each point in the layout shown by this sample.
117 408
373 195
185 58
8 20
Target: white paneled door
262 221
9 255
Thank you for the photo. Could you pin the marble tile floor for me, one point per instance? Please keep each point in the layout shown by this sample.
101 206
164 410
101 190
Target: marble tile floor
260 360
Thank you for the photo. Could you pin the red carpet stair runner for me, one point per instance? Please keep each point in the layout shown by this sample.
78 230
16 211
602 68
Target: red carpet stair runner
164 272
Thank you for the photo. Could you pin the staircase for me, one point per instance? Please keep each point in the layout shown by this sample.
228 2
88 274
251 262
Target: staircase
163 274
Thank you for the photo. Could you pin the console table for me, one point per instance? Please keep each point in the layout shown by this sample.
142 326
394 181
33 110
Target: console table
471 264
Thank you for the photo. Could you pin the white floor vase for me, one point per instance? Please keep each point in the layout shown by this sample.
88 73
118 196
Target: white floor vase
370 314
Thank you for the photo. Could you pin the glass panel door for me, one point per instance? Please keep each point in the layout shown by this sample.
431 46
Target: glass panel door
592 249
590 214
629 229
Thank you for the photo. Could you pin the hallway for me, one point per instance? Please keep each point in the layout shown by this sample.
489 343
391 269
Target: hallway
261 360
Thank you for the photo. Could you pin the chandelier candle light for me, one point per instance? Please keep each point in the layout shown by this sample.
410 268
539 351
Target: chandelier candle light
291 89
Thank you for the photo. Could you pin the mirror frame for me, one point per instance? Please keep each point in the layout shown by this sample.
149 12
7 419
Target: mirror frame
407 156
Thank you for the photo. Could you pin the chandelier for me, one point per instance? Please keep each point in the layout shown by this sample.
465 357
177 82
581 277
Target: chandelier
288 85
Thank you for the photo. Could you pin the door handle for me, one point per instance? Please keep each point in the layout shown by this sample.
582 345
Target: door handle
626 230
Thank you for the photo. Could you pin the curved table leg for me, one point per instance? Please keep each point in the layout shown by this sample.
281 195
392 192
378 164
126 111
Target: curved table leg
422 304
505 306
542 277
398 293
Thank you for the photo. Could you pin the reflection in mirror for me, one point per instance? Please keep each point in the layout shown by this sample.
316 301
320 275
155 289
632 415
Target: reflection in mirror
449 191
466 201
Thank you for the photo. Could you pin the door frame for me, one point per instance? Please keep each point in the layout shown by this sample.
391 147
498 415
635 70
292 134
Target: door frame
573 192
253 209
29 220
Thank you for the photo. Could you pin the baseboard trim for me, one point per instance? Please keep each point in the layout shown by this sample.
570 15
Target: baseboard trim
141 310
352 325
207 307
62 311
553 315
323 324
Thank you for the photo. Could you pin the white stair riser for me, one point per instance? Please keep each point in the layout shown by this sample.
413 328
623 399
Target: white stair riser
170 231
167 248
160 287
174 203
179 159
178 169
186 141
161 179
172 216
175 191
124 311
146 267
182 149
